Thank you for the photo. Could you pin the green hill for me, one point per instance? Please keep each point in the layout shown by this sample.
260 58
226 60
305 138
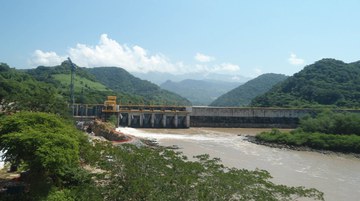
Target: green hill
80 83
92 85
242 95
328 82
121 81
199 92
20 91
87 88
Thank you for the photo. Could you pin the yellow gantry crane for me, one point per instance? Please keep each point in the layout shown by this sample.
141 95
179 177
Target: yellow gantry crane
110 105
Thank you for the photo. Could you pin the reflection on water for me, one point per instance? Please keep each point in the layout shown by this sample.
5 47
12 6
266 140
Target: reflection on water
338 176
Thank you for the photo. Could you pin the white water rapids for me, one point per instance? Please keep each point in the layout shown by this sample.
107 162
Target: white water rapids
337 175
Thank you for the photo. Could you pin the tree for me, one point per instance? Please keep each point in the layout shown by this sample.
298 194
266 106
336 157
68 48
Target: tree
20 91
326 83
140 173
47 146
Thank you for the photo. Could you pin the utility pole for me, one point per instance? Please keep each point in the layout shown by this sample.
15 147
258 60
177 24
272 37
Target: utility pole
72 97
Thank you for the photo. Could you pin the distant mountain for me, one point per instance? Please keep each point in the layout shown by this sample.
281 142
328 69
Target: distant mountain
159 78
120 80
242 95
199 92
327 82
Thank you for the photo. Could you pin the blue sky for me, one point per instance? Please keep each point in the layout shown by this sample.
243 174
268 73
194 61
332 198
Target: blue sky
232 37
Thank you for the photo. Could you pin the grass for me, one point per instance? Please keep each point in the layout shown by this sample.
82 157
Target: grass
80 83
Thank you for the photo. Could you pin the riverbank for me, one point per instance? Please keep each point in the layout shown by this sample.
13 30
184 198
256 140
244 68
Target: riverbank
252 139
106 131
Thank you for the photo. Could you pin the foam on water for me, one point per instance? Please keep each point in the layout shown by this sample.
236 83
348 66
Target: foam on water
162 136
1 162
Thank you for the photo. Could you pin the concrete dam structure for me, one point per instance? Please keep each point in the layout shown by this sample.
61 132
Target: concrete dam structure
136 116
235 117
184 117
142 116
171 117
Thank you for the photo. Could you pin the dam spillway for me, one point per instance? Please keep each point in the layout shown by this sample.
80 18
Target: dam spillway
154 117
136 116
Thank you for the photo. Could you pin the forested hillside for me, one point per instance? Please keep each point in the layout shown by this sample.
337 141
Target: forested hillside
199 92
328 82
87 89
242 95
121 81
49 87
20 91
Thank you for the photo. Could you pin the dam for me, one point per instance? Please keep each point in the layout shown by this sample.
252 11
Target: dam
242 117
157 116
136 116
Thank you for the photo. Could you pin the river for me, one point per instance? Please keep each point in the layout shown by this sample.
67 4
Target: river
337 175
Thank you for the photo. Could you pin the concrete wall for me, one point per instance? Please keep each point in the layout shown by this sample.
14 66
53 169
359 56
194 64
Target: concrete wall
248 112
246 117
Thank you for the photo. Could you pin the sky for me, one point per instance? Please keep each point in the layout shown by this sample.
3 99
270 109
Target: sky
230 37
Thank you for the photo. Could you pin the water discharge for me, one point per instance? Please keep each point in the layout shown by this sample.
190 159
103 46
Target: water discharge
337 175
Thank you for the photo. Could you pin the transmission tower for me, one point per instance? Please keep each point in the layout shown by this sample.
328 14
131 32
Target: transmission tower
72 97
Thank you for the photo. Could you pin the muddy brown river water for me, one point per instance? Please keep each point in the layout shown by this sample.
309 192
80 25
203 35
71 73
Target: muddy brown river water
337 175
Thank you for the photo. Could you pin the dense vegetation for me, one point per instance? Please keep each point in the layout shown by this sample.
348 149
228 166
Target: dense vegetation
20 91
327 82
119 80
243 94
329 122
63 165
50 87
87 88
48 148
328 131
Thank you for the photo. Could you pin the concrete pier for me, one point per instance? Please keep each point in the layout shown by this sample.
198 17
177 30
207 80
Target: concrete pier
153 116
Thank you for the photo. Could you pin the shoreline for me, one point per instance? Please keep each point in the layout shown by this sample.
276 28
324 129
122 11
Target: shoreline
252 139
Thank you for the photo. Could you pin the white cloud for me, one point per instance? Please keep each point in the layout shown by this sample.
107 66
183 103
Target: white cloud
109 52
203 58
46 58
224 68
258 71
294 60
235 78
